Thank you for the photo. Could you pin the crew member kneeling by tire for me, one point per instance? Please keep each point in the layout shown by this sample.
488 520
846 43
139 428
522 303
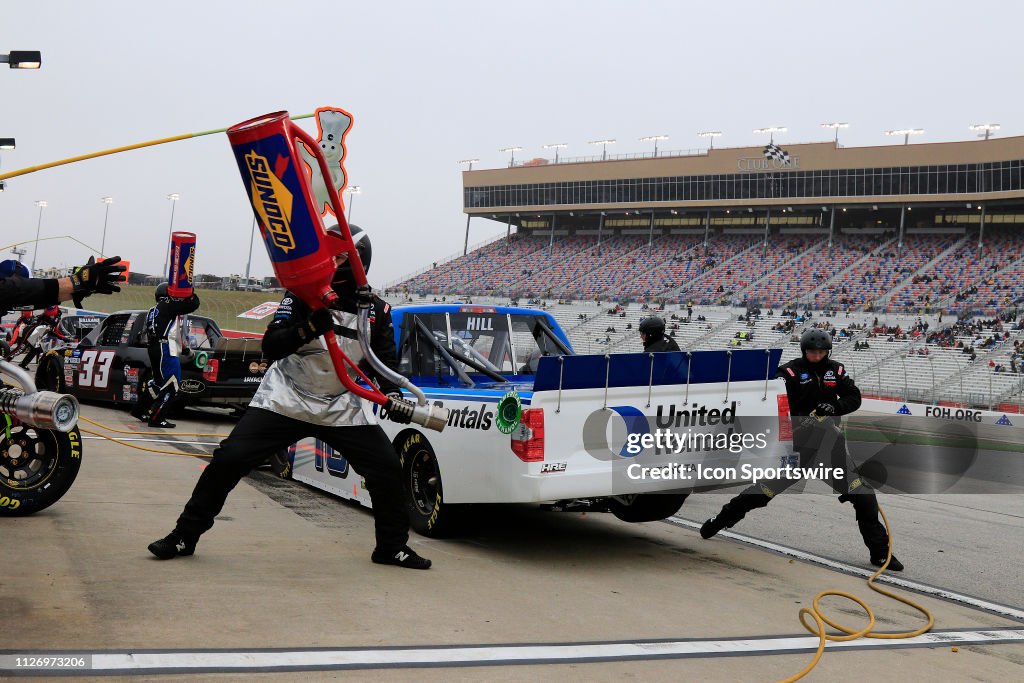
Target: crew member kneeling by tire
819 390
301 397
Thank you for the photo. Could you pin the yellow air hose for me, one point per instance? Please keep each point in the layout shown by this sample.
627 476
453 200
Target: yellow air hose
82 418
849 634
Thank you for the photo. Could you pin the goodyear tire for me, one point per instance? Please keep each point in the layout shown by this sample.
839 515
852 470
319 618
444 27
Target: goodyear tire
429 515
37 467
50 373
648 507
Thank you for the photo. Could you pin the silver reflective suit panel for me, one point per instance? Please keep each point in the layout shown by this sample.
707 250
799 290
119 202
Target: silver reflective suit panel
304 385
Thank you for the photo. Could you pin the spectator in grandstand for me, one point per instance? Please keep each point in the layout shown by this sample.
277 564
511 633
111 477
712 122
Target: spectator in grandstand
819 391
652 333
301 397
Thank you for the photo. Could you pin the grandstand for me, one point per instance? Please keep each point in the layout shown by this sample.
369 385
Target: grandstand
874 241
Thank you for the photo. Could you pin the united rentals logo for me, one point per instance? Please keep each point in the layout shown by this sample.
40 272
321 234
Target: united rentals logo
272 201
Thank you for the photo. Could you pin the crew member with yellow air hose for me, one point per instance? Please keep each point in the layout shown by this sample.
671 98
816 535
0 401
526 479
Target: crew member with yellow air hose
820 390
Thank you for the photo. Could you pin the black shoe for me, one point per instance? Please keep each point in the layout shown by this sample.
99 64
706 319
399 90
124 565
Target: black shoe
162 424
712 527
894 564
172 545
403 557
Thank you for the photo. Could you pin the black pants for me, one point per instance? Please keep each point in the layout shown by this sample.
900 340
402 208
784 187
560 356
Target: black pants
30 355
829 449
262 432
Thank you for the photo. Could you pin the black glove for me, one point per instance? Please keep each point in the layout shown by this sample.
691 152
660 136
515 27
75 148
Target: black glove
318 324
103 278
825 410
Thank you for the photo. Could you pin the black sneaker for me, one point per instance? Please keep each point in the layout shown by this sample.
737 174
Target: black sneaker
172 545
403 557
894 564
712 527
163 424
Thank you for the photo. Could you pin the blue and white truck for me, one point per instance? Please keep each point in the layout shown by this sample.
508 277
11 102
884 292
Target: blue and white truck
530 421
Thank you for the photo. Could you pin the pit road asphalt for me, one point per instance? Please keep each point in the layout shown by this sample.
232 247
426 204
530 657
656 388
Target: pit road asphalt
286 569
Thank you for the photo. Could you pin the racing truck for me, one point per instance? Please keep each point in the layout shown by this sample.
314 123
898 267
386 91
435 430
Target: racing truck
530 421
111 363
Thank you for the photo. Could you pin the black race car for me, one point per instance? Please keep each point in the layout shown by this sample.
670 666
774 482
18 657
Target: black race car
111 364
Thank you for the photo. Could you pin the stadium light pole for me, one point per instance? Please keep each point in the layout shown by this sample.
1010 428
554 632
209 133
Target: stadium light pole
5 144
654 139
987 127
248 264
351 191
905 132
771 131
556 146
106 215
712 134
470 162
836 125
173 197
604 146
512 151
22 59
42 204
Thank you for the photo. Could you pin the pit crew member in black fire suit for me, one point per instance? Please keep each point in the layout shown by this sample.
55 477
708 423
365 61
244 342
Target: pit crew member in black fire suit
301 397
21 290
164 345
48 323
819 391
652 332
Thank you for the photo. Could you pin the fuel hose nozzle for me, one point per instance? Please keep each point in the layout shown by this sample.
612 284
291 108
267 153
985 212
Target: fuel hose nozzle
427 415
40 409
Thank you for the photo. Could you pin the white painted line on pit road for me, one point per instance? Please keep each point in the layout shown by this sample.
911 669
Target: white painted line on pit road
164 441
185 661
886 578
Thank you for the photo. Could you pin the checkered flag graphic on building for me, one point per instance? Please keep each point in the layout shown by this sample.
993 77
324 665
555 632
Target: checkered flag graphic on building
773 151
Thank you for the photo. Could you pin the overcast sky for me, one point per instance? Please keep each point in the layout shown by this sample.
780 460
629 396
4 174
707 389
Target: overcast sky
430 83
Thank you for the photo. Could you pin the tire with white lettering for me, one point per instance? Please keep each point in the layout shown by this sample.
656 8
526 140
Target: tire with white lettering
648 507
429 515
50 373
37 467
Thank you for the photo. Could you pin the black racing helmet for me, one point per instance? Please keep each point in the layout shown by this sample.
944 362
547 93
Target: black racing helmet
815 338
653 325
363 246
161 291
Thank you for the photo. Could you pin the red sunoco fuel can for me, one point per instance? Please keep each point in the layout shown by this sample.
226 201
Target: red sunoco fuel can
182 260
279 191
